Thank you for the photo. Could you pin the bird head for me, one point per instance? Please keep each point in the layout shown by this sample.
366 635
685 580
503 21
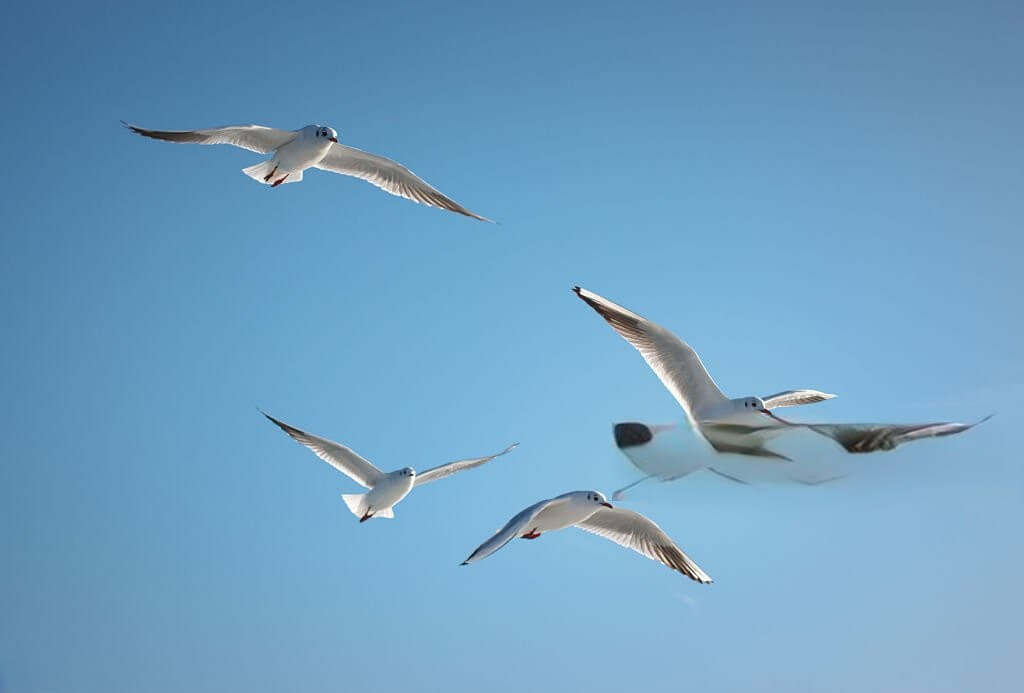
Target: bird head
596 498
325 133
757 404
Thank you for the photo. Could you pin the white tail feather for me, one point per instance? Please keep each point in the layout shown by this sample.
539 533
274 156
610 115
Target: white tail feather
260 171
265 168
356 502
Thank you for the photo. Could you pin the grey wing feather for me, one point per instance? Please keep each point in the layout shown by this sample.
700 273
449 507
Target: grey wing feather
255 138
637 532
389 176
444 470
673 360
338 456
859 438
510 531
741 439
789 398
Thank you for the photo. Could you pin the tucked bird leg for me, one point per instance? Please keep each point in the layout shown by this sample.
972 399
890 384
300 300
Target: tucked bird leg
366 516
532 534
266 178
279 180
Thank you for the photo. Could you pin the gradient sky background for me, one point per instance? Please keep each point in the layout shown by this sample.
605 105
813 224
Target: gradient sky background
812 197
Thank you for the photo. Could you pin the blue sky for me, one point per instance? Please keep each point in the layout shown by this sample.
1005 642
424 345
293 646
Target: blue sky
812 197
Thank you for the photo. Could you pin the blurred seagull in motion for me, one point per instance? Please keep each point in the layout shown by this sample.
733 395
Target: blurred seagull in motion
386 488
314 146
591 512
742 425
725 423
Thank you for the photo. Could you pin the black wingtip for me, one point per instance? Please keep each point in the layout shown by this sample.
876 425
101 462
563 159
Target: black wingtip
464 563
576 290
630 435
280 424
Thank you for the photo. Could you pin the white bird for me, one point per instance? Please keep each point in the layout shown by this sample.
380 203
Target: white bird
591 512
313 146
386 488
737 425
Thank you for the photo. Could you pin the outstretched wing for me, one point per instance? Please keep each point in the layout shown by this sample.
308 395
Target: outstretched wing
636 532
255 138
872 437
672 359
338 456
512 529
791 398
390 176
444 470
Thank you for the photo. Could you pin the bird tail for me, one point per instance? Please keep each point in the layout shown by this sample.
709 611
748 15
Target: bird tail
260 171
267 172
356 502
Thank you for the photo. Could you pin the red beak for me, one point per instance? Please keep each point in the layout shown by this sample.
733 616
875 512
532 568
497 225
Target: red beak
607 505
334 139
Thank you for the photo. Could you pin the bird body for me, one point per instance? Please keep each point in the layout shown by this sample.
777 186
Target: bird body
383 496
306 150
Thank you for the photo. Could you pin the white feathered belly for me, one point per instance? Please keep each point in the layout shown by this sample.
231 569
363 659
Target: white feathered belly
559 517
300 155
389 491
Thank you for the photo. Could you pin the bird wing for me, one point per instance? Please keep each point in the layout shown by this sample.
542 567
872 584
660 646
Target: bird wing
791 398
512 529
390 176
636 532
444 470
255 138
338 456
673 360
872 437
743 439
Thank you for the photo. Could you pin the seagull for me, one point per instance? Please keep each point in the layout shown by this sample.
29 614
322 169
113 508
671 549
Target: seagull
737 425
683 374
386 488
591 512
314 146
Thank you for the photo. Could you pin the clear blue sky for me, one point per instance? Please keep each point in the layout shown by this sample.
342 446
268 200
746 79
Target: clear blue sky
812 197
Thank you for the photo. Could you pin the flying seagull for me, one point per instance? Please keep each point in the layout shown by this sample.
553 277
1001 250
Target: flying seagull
591 512
736 425
386 488
314 146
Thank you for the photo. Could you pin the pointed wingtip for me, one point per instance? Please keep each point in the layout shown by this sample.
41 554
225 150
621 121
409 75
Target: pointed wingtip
464 563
